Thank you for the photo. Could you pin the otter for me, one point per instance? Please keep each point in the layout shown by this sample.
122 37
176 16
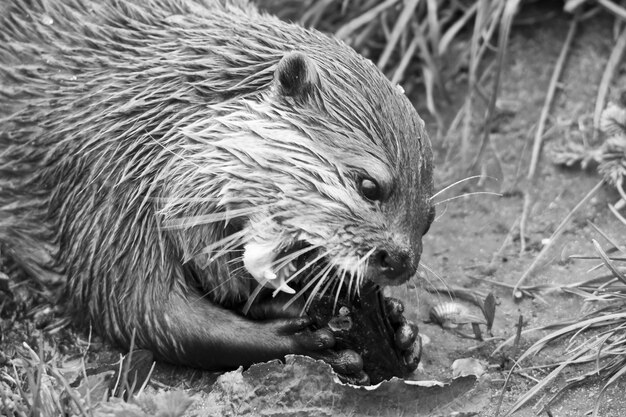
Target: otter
191 168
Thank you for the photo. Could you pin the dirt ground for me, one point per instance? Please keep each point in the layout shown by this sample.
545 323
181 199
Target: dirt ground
468 241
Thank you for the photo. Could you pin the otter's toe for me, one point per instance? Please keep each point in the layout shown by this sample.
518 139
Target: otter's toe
395 310
405 335
313 341
413 355
344 362
293 325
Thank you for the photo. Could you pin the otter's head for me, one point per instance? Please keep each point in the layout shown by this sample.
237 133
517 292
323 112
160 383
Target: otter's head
324 175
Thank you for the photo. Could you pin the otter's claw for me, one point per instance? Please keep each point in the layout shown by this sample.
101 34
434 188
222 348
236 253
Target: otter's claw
394 309
314 341
304 340
406 333
318 344
345 362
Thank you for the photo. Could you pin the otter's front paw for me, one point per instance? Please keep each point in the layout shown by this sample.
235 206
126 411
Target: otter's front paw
406 333
318 344
348 365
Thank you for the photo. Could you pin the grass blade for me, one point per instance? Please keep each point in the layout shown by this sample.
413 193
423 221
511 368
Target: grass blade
607 262
344 31
505 29
452 31
399 27
607 77
610 382
556 74
555 235
613 8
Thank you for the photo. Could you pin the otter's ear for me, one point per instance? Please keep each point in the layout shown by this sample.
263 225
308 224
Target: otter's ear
296 75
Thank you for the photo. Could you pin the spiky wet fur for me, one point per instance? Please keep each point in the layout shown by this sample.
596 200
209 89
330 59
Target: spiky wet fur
135 136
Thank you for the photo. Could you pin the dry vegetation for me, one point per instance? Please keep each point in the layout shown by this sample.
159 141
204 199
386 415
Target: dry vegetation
424 46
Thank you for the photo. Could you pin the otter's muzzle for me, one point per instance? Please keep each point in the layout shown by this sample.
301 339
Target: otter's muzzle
390 268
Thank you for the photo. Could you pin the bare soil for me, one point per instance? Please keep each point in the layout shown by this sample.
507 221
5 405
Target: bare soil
465 244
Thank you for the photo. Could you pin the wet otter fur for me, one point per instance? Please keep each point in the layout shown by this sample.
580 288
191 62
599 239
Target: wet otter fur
170 158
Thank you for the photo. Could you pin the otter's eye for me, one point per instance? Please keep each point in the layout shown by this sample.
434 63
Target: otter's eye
370 189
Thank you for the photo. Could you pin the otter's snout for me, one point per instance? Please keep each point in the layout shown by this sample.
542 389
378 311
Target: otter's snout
390 268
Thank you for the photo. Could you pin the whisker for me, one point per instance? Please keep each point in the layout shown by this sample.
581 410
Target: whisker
238 269
175 199
253 296
440 215
339 287
306 287
351 283
332 285
359 281
366 256
281 262
328 284
360 275
226 241
411 289
467 194
226 245
230 246
454 184
415 281
299 271
313 293
428 269
234 260
359 271
216 287
220 216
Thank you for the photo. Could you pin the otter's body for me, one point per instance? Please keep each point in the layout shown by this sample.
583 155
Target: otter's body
164 157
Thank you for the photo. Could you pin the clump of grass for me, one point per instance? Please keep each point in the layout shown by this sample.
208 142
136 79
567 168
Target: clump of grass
610 122
44 384
599 337
420 44
610 157
37 387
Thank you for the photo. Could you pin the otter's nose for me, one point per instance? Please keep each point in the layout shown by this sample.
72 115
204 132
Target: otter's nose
392 266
